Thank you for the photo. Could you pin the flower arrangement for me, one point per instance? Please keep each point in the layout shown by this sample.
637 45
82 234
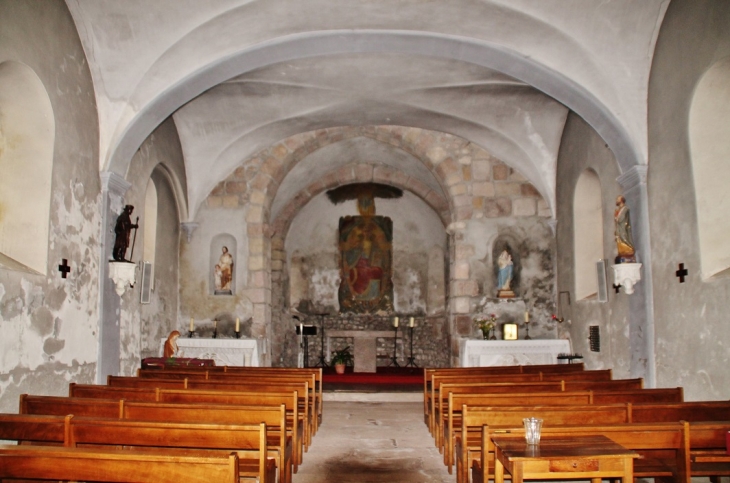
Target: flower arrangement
486 324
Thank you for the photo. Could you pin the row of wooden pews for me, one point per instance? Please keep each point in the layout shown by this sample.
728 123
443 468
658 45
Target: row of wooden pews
465 408
209 424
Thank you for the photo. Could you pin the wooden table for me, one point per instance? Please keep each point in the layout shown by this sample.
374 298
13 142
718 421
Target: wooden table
560 458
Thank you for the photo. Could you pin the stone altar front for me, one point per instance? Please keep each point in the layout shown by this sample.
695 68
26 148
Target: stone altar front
365 342
483 353
225 352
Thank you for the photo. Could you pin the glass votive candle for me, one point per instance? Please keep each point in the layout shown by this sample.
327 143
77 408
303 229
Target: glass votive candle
533 426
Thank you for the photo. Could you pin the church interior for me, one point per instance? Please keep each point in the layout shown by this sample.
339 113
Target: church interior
340 164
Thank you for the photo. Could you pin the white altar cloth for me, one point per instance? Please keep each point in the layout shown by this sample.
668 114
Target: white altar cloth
225 352
483 353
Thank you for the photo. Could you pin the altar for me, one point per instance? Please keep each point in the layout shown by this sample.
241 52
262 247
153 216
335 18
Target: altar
483 353
365 341
225 352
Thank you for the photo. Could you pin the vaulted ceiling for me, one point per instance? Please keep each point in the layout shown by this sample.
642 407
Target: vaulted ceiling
240 75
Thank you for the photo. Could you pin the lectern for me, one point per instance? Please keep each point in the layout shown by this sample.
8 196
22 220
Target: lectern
306 330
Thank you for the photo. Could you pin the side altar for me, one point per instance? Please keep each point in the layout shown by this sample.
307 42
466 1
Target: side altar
225 352
483 353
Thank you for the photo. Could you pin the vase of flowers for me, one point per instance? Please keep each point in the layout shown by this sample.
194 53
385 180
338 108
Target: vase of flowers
341 359
486 325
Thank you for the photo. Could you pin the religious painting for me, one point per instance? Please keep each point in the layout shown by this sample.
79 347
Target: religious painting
366 247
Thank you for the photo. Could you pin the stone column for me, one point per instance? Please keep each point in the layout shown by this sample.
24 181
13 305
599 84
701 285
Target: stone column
113 189
641 302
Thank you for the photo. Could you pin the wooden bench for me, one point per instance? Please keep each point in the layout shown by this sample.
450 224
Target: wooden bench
663 448
469 434
113 465
274 416
289 399
473 396
686 411
707 442
451 423
249 442
305 404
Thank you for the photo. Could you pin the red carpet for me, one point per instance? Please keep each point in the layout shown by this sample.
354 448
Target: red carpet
396 378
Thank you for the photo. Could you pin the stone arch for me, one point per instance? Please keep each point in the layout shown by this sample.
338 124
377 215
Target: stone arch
311 44
360 173
27 135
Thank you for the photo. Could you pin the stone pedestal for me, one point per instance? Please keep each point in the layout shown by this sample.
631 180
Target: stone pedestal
365 342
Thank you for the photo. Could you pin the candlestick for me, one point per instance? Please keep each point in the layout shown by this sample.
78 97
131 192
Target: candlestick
238 324
411 323
395 322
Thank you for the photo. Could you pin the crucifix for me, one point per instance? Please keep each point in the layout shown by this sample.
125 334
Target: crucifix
64 268
681 273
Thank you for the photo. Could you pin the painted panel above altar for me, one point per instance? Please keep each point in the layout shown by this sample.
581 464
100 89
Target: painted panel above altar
484 353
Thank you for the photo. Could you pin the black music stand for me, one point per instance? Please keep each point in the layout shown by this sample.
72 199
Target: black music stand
322 362
306 331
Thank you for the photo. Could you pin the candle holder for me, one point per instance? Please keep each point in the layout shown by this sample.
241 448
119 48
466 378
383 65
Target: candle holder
394 359
411 360
190 333
527 331
215 332
238 334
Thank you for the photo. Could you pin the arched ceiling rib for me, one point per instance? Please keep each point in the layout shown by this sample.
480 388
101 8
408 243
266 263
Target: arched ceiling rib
149 58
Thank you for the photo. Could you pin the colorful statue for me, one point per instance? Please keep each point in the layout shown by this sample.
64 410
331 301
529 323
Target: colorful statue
505 274
624 239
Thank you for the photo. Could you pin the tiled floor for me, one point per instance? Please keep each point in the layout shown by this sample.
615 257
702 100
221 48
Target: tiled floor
373 442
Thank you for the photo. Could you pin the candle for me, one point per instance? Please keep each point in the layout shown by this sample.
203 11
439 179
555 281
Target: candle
238 324
215 323
411 323
395 322
192 324
527 316
301 329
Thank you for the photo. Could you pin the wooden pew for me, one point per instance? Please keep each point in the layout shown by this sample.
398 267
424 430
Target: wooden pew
275 417
249 442
513 416
451 424
663 448
307 400
707 442
189 396
113 465
306 404
451 411
524 369
686 411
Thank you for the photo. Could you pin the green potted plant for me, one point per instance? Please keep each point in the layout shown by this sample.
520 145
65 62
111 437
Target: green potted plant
340 359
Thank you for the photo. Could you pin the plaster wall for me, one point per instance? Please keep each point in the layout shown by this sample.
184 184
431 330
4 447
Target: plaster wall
582 148
196 292
692 333
49 324
142 326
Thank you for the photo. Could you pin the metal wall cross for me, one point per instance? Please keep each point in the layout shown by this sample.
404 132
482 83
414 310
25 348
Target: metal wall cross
681 273
64 268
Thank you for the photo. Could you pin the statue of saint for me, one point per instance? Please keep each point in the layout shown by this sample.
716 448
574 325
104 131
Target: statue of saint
624 240
505 274
122 230
170 348
223 273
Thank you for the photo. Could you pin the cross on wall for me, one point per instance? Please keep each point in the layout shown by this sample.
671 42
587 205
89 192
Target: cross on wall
64 268
681 273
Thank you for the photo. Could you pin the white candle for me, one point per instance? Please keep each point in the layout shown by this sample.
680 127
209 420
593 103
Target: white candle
301 329
215 323
411 323
238 324
395 322
192 324
527 316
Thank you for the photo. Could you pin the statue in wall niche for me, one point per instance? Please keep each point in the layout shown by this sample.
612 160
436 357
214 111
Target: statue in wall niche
624 239
223 273
122 230
505 275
